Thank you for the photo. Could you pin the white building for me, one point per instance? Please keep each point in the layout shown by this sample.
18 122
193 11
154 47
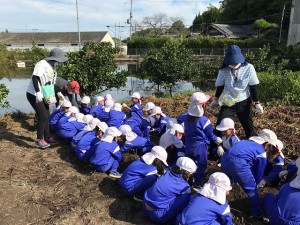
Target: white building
67 41
294 27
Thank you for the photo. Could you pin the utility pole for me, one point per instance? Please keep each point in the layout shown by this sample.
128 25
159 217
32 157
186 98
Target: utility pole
79 39
130 20
281 24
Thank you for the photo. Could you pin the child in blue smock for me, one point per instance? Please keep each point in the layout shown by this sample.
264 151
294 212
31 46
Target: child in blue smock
139 125
171 193
209 205
142 173
85 106
290 172
284 209
133 141
198 135
160 124
273 168
116 117
171 141
69 116
245 163
107 155
68 130
104 115
98 107
82 148
86 119
58 114
229 138
135 107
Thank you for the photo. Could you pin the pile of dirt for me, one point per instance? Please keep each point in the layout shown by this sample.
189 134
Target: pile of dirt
52 187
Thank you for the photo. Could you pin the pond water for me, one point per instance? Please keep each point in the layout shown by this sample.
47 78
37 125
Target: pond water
18 86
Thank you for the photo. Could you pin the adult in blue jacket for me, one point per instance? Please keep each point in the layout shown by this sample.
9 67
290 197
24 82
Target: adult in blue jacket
209 205
68 130
133 141
107 155
142 173
58 114
116 117
171 193
284 209
198 135
245 163
85 106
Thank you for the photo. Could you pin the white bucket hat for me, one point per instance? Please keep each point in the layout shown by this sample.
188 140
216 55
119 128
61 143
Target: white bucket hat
102 126
86 100
66 104
79 117
107 97
296 182
168 139
199 98
87 119
185 163
108 105
136 95
156 152
110 133
216 187
117 106
156 110
265 135
99 98
127 131
92 124
225 124
176 127
73 109
280 146
171 122
148 106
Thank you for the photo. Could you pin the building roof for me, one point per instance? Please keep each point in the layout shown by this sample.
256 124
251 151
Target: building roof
234 31
51 37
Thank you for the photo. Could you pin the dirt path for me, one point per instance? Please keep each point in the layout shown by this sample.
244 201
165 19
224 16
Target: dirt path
52 187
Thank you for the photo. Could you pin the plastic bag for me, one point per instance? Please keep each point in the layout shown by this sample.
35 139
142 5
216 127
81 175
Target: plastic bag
49 93
227 99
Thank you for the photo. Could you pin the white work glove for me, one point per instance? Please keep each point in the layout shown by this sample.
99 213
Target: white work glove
220 151
60 96
124 105
261 184
283 173
218 141
258 108
214 104
39 97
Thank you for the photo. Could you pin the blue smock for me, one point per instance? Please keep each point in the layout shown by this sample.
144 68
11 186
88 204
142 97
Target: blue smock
138 177
139 125
168 196
198 134
141 144
54 118
160 125
245 163
283 209
202 210
70 129
136 109
85 110
82 149
106 157
115 118
97 110
77 138
272 170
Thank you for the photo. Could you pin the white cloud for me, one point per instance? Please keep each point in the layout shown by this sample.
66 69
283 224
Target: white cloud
94 15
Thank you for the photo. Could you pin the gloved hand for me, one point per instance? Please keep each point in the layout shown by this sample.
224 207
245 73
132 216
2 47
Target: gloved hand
214 104
283 173
220 151
218 141
124 105
258 108
60 96
39 97
261 184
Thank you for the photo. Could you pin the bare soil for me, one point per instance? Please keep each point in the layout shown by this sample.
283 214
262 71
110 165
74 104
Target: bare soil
52 187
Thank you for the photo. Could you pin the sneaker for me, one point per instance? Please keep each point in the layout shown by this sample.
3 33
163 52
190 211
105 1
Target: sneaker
138 198
52 140
116 175
261 219
41 143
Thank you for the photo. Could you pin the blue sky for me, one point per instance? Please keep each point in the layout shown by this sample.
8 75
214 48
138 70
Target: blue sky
94 15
